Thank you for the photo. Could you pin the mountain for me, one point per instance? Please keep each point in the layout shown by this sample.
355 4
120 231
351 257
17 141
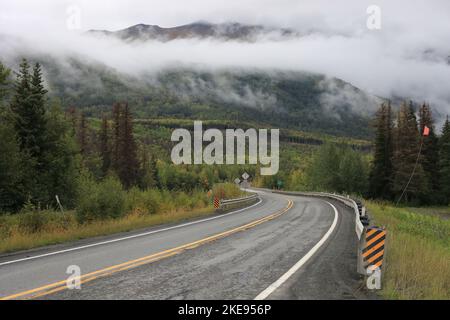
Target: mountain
267 97
197 30
296 100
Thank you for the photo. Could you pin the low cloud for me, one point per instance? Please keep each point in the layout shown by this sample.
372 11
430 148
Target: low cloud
222 87
408 57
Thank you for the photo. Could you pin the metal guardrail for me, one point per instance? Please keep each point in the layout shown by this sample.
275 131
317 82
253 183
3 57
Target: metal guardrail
226 204
360 213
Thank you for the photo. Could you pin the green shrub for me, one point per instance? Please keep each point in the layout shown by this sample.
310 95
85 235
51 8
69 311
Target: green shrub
32 221
101 200
227 191
143 201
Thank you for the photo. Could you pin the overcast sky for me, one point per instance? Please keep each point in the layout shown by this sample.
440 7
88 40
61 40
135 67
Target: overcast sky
407 57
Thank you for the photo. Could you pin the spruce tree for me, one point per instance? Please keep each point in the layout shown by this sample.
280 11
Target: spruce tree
37 88
406 153
444 155
11 159
82 136
105 152
381 171
4 83
12 167
29 110
47 146
129 168
117 136
430 151
124 150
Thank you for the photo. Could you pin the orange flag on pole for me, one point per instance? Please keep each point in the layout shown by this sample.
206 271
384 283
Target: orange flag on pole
426 131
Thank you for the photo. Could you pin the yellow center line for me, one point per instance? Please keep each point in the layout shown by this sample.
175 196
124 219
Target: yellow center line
62 285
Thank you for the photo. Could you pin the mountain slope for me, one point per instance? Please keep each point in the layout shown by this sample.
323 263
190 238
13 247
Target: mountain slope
297 100
198 30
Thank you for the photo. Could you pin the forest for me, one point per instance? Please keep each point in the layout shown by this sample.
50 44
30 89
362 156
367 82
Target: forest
67 172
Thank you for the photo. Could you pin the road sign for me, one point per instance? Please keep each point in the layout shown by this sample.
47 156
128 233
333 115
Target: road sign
237 181
245 176
373 251
216 203
279 184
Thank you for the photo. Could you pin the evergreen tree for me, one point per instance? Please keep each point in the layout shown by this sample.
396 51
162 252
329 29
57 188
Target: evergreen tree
49 162
381 171
37 89
117 136
11 159
124 158
4 83
62 161
82 136
430 151
105 152
444 155
406 155
12 168
129 164
29 111
148 175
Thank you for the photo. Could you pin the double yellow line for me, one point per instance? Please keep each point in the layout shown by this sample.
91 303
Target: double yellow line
62 285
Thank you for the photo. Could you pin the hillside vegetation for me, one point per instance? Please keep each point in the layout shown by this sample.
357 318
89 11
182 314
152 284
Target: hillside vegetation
296 100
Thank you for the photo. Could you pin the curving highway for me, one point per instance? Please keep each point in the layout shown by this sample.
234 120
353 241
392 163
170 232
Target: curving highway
283 247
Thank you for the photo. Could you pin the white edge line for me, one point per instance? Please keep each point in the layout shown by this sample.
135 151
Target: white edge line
274 286
129 237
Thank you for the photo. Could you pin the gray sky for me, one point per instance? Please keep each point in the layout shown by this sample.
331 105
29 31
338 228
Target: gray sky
407 57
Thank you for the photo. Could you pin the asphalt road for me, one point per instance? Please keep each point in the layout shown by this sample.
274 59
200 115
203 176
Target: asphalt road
240 264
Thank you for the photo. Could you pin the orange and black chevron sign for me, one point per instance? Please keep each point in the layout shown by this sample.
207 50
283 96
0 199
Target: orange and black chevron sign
216 203
373 251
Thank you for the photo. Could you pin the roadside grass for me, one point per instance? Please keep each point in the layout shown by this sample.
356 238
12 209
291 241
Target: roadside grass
103 210
417 252
443 212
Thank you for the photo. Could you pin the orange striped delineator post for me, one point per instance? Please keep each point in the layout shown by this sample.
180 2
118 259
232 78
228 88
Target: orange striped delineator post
216 203
373 251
